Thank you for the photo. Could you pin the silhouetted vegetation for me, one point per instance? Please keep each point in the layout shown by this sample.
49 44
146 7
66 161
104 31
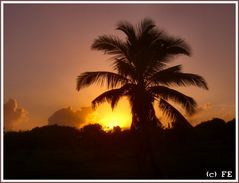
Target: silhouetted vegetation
60 152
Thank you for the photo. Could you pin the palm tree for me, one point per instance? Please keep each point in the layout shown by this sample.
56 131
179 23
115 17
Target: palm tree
142 75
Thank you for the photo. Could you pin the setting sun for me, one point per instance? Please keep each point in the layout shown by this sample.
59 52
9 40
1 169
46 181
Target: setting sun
109 118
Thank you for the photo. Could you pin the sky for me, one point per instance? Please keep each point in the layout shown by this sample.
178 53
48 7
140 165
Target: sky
47 46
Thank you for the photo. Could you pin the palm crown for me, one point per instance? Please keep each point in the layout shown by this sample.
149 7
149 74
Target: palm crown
141 73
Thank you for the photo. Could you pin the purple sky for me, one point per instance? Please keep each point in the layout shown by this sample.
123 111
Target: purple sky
47 46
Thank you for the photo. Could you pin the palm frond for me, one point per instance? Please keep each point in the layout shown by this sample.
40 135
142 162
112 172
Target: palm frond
111 45
162 49
186 79
156 74
175 46
111 96
173 113
172 76
145 26
153 68
129 30
112 79
166 93
124 68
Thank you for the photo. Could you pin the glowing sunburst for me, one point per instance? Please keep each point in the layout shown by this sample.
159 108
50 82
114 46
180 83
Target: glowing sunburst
104 115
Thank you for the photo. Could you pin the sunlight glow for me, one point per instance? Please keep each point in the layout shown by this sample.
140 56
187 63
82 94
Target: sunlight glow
113 119
109 118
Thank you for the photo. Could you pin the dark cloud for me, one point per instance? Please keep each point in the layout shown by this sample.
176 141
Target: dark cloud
69 117
14 116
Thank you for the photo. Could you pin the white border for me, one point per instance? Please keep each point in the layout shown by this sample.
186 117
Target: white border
236 75
117 2
2 91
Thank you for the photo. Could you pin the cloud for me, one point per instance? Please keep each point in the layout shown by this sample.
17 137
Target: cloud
14 116
204 107
208 111
68 117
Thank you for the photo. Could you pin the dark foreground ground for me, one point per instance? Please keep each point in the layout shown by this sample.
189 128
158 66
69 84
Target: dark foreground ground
54 152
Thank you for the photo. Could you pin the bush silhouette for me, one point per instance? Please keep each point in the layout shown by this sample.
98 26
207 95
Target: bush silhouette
60 152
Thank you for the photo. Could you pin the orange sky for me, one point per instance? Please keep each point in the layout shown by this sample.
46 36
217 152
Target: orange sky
47 46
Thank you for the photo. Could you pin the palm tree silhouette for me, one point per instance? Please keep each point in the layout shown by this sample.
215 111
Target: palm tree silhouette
140 62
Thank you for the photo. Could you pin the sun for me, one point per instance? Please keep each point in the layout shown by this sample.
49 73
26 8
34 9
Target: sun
109 118
112 119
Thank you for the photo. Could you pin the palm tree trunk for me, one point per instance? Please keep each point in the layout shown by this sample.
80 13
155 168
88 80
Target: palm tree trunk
146 157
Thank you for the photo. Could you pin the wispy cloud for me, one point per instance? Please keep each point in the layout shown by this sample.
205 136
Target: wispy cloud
204 107
208 111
